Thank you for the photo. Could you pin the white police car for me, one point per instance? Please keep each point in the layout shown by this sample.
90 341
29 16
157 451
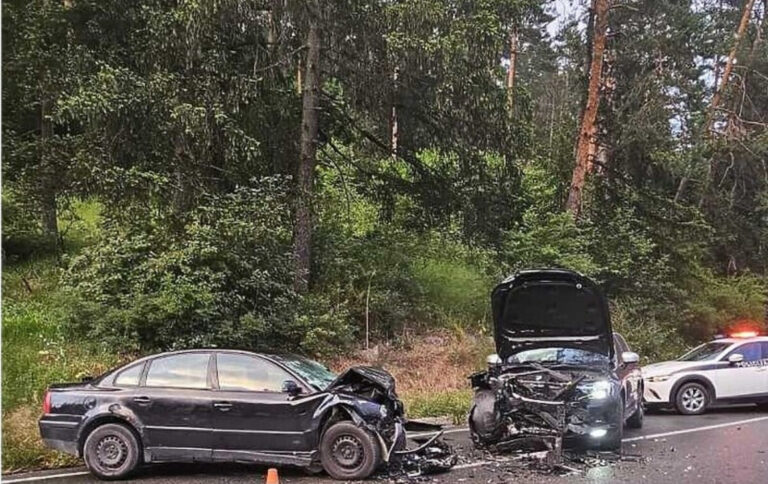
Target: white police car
723 371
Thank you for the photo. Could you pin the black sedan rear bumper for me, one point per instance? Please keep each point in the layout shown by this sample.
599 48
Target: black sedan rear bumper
60 434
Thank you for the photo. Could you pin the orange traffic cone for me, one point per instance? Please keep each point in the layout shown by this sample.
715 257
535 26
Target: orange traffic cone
272 476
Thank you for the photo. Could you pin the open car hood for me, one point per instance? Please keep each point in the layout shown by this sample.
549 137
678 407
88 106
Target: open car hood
550 308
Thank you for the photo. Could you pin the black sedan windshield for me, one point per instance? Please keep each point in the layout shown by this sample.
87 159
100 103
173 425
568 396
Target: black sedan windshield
705 352
313 372
561 356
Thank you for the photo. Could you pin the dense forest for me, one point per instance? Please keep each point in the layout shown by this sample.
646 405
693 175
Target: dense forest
318 176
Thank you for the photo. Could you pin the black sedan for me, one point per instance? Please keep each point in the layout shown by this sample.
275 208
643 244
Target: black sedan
228 406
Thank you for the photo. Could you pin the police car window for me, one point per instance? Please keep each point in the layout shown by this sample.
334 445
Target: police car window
706 351
750 351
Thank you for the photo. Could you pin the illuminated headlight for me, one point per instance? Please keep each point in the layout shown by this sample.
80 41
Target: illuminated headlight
598 390
598 433
657 379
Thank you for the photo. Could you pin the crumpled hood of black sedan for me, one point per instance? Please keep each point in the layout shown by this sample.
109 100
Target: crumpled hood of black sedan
550 308
368 374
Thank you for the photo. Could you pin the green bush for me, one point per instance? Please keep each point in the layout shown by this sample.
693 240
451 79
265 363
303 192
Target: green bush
221 276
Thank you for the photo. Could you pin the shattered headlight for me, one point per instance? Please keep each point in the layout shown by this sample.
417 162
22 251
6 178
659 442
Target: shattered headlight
597 390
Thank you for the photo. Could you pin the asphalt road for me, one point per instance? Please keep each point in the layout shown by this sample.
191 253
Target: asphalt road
727 445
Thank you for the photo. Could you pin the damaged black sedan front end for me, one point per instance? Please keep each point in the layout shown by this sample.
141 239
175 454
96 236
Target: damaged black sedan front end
554 378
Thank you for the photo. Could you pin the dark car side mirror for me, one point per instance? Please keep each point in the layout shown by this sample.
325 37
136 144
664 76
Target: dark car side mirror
291 388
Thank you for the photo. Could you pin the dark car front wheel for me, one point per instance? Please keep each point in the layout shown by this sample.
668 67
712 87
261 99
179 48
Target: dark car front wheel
348 452
111 451
635 421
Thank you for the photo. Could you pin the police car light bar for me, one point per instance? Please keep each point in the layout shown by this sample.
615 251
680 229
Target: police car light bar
744 334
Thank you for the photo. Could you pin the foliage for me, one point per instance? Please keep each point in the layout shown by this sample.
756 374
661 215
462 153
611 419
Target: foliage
451 403
221 278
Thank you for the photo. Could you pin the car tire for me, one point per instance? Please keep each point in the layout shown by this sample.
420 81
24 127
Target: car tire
348 452
635 421
483 417
612 441
692 399
111 451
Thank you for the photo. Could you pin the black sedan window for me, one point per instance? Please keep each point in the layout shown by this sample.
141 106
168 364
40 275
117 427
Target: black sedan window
248 373
188 370
130 376
313 372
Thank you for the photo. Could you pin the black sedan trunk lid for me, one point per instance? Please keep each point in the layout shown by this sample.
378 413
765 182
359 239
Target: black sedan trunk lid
550 308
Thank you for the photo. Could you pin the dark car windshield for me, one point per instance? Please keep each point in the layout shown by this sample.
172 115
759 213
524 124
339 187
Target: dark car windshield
313 372
706 351
561 356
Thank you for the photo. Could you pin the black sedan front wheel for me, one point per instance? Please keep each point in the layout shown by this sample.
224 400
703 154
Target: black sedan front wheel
348 452
111 451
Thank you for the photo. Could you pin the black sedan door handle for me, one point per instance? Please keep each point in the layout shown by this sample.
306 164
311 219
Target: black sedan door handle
141 400
223 406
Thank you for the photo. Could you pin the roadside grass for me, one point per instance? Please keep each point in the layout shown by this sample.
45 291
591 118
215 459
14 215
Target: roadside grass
22 447
36 352
450 403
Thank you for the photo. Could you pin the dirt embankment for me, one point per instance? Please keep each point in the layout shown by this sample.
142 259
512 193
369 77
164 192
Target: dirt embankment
432 364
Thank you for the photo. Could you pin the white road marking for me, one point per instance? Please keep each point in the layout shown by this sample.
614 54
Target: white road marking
459 430
45 478
696 429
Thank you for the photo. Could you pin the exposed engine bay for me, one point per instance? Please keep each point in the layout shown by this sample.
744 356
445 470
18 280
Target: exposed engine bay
533 408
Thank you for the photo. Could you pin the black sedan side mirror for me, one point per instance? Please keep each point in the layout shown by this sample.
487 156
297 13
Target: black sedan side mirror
291 388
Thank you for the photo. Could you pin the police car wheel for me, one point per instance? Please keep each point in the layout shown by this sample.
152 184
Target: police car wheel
692 399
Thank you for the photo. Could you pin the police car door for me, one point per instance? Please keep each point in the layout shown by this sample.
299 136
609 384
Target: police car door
745 379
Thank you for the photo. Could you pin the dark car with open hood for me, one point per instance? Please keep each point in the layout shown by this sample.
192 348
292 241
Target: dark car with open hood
560 375
235 406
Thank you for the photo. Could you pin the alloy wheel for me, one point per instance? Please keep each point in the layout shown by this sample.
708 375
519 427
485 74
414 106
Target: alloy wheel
693 399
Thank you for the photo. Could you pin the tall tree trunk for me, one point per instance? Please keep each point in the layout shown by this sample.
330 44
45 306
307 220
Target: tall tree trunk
586 143
48 178
302 237
394 126
745 14
513 40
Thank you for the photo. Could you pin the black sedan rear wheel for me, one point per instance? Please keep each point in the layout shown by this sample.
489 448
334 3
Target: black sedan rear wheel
111 451
348 452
